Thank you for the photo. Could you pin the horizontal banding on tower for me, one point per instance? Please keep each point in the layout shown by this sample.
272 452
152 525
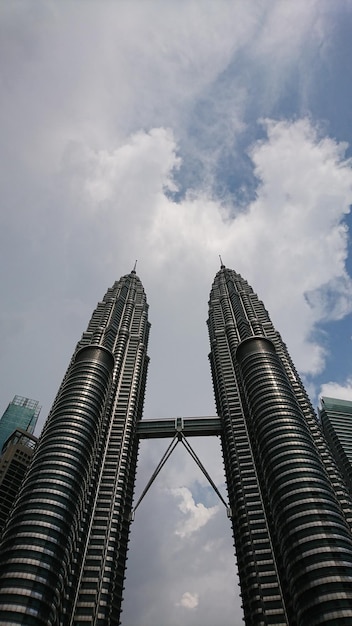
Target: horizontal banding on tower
42 530
294 480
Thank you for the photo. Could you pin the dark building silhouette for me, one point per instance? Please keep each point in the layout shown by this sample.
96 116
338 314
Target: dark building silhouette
17 443
64 549
16 456
336 419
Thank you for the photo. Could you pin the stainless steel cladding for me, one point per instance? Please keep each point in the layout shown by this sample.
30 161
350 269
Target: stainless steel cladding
64 548
291 509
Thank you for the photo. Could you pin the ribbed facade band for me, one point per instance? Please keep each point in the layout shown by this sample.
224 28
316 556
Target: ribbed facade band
64 547
291 511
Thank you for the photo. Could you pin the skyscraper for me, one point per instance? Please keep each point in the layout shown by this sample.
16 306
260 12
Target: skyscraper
336 419
291 511
20 413
16 455
64 549
63 552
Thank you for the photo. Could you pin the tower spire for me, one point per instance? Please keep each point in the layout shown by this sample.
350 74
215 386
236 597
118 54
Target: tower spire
134 267
222 266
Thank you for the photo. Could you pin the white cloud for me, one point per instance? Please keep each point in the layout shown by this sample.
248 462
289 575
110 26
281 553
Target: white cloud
128 66
197 514
294 238
165 565
336 390
124 66
291 242
189 600
284 28
139 167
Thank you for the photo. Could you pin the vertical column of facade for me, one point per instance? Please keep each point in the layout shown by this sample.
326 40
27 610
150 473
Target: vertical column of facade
40 541
262 595
313 538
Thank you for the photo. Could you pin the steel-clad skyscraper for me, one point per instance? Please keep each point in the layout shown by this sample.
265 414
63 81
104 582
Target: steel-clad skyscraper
291 511
64 548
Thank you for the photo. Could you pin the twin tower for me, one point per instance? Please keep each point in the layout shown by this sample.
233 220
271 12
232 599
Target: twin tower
63 550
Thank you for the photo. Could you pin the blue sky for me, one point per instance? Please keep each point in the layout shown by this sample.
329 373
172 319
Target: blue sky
172 132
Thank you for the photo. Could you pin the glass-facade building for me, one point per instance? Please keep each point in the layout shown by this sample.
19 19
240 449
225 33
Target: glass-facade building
336 419
20 413
291 511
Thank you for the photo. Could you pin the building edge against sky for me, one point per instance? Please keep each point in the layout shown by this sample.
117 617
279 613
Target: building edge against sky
64 549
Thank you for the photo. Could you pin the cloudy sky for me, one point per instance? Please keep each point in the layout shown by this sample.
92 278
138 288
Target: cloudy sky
172 131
